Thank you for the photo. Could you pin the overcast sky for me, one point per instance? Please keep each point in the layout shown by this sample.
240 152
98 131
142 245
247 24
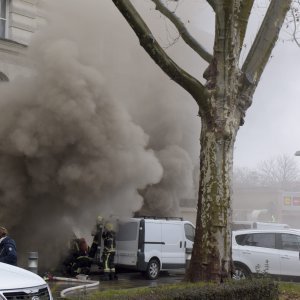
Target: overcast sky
272 124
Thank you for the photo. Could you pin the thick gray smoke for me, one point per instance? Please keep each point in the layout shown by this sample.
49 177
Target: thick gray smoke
90 129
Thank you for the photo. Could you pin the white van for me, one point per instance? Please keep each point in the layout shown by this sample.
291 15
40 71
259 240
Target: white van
17 283
152 244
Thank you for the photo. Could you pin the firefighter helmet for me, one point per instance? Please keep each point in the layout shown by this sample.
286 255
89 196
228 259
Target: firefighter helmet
99 219
109 226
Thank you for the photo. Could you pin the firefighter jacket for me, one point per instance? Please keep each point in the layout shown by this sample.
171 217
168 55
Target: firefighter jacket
109 239
8 251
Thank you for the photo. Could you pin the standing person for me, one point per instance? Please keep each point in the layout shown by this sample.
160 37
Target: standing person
96 245
8 251
109 250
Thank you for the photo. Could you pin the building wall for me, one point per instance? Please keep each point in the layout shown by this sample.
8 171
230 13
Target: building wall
23 18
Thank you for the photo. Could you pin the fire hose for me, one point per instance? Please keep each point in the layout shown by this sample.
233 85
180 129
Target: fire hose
87 284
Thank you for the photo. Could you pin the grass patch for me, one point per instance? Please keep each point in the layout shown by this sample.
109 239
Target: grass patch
289 291
145 292
263 289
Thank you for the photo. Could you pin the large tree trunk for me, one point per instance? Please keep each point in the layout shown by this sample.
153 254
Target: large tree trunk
222 102
211 258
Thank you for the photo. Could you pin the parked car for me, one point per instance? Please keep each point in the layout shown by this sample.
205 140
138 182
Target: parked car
152 244
18 283
271 251
238 225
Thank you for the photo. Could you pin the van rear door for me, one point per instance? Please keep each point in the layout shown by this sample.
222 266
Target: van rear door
127 243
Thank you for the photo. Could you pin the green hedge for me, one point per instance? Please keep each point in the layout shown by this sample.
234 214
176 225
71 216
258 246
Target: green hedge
261 289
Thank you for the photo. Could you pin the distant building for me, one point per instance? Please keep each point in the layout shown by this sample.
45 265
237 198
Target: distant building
19 19
262 204
267 204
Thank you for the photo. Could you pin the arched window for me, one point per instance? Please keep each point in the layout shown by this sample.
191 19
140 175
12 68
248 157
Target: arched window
3 18
3 77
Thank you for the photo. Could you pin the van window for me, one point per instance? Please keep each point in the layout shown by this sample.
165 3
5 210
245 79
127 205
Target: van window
290 242
189 232
127 231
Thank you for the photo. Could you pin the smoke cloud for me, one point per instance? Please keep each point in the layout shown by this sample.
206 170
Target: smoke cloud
94 129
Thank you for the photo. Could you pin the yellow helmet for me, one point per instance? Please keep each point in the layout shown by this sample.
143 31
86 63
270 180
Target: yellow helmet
109 226
99 219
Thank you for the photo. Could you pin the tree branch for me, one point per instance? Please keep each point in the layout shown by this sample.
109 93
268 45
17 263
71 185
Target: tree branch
151 46
246 7
295 28
189 39
265 40
212 3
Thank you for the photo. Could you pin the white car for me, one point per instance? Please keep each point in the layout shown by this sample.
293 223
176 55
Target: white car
17 283
273 251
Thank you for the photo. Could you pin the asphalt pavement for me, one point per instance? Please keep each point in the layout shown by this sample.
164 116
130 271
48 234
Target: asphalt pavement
125 280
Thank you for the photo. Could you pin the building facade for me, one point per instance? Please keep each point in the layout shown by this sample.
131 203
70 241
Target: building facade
19 19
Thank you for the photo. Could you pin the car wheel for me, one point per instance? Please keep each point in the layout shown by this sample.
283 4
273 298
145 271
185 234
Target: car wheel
153 269
240 272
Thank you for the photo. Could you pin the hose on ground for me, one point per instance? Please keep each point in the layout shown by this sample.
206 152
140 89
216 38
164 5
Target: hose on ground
87 284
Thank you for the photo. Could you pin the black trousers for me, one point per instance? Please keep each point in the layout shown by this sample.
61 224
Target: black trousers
108 261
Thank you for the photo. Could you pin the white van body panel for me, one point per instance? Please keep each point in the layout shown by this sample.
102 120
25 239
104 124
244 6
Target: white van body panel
173 251
153 240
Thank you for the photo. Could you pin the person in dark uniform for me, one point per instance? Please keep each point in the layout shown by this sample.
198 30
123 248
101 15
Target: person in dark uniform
8 250
94 252
77 260
109 250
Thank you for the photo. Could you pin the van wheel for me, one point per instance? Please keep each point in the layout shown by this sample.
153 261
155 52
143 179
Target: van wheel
240 272
153 269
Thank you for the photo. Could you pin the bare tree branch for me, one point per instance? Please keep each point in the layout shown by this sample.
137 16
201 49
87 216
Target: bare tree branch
295 28
212 3
246 7
260 52
186 36
151 46
264 42
281 171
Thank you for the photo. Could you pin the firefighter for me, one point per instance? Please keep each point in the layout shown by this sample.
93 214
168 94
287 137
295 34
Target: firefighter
96 245
77 260
83 262
108 255
8 251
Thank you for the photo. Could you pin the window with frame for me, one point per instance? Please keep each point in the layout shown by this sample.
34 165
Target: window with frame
265 240
290 242
127 232
3 17
243 239
189 232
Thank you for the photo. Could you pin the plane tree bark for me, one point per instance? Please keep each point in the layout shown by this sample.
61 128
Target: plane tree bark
222 102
